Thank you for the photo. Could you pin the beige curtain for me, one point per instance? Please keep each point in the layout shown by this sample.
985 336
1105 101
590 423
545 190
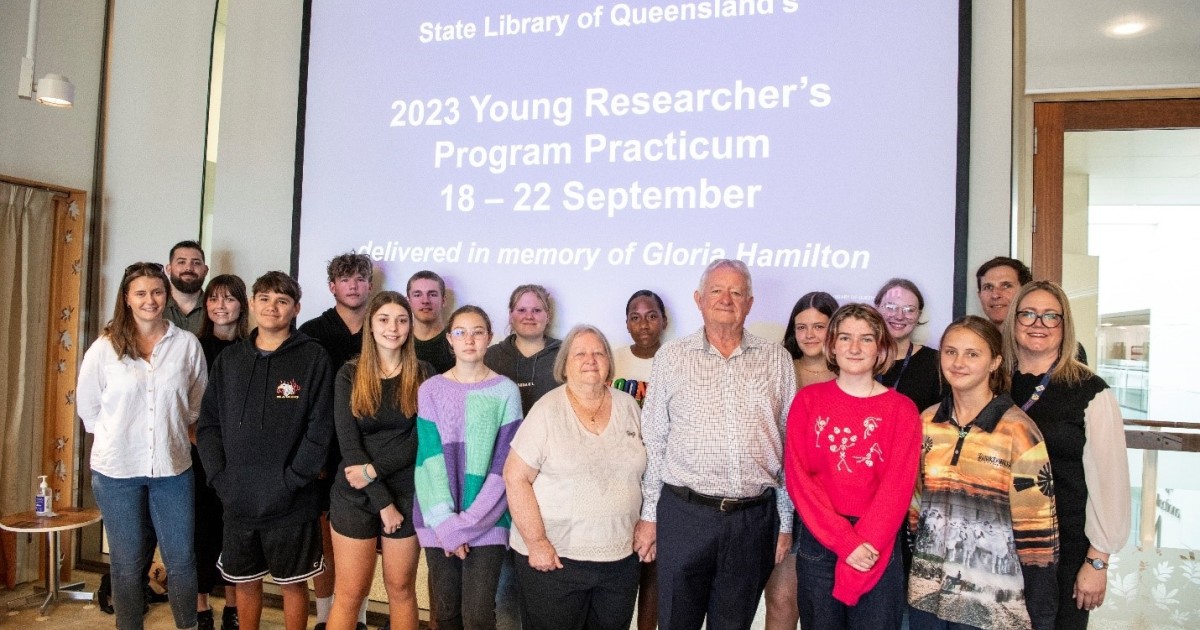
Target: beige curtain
26 234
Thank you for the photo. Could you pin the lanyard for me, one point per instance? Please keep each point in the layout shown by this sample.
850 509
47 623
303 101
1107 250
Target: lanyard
903 366
1041 387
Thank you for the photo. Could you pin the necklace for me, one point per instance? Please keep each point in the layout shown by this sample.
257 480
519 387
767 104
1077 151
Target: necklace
821 371
391 372
595 412
453 374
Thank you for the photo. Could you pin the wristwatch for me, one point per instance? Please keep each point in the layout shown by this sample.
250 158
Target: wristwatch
1096 563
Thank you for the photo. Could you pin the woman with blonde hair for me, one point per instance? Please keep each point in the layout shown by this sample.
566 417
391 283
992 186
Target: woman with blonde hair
986 499
1085 436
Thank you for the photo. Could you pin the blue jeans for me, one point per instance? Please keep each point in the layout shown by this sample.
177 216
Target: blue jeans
133 508
881 607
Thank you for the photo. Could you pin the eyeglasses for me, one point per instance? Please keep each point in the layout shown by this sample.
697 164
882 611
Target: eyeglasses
1050 319
894 310
459 333
154 268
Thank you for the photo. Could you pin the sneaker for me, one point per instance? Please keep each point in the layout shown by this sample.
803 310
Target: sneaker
104 594
204 620
229 618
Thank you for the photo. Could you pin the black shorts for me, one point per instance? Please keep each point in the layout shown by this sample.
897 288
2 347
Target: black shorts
351 515
289 554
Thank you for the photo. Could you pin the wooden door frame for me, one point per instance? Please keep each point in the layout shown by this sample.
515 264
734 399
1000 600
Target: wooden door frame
1051 120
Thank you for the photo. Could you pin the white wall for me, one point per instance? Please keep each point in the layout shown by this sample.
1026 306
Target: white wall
989 214
154 164
47 144
252 214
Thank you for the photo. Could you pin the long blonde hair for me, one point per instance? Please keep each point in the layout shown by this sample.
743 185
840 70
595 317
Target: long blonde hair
1067 370
367 393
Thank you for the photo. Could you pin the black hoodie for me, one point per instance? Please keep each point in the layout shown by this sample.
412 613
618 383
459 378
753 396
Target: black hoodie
264 430
533 375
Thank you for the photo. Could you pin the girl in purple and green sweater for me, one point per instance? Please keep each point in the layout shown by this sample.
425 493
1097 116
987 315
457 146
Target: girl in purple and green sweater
466 419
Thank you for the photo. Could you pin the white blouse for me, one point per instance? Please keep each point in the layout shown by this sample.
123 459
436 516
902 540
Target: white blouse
140 410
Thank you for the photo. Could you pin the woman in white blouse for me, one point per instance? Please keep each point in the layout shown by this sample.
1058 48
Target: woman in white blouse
573 481
139 390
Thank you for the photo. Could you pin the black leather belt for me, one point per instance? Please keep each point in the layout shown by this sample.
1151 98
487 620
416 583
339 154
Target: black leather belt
724 504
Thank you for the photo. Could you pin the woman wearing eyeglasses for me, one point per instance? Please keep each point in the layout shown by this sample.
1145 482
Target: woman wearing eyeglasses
466 419
139 391
1081 422
916 372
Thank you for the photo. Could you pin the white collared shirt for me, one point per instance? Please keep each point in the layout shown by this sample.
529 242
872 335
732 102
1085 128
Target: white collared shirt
140 410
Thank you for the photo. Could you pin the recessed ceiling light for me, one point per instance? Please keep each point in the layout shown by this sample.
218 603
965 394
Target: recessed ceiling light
1127 26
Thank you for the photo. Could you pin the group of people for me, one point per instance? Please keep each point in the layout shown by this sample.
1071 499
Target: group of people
858 477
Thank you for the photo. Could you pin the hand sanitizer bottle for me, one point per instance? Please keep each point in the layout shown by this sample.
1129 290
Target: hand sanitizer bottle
42 502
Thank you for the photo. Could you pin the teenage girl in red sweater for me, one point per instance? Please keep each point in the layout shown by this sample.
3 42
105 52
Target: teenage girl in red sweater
852 452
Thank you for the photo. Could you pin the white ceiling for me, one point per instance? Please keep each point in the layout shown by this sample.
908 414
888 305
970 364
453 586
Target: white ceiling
1144 167
1068 49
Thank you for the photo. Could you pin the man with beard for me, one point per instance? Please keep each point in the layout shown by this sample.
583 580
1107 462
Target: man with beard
339 330
187 272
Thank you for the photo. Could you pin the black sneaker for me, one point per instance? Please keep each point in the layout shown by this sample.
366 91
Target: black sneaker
104 594
204 620
229 618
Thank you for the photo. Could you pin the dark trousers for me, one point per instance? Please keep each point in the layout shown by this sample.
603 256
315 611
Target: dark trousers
921 620
580 596
712 563
464 591
1071 554
881 607
210 525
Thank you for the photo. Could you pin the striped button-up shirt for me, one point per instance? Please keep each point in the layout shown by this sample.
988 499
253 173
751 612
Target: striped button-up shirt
716 424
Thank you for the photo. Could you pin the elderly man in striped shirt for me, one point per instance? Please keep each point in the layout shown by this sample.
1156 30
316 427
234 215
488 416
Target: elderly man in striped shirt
714 511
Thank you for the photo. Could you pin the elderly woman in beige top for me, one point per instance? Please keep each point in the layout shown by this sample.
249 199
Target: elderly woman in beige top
573 481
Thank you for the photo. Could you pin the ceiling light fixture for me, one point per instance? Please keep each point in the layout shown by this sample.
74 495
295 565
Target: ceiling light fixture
1127 26
54 90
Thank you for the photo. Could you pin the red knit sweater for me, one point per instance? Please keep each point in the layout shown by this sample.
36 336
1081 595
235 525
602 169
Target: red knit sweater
849 456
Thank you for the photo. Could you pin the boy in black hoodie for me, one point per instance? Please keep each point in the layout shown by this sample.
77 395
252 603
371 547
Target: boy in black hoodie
264 430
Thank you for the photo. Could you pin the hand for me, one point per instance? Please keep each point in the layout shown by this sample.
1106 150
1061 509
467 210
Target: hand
783 545
460 553
355 477
543 557
1090 585
645 540
392 519
863 557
